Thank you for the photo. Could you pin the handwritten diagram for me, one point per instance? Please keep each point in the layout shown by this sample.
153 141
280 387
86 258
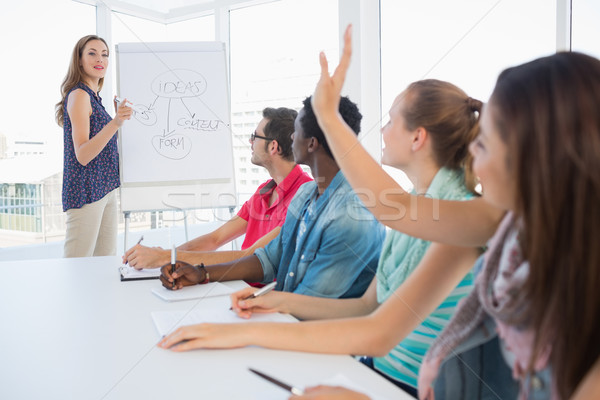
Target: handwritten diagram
178 111
178 136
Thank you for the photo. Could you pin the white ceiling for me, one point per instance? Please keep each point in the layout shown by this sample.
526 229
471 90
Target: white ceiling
167 11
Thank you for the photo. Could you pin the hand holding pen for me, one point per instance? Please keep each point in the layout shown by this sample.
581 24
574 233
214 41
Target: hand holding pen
292 389
242 302
125 257
181 275
123 110
173 261
316 392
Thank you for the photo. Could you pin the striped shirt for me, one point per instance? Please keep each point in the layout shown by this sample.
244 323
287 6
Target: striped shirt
399 257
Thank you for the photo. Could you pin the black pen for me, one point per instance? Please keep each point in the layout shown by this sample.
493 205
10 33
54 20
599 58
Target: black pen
264 290
173 260
291 389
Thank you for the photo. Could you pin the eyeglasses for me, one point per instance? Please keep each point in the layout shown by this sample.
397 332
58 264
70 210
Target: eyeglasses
254 136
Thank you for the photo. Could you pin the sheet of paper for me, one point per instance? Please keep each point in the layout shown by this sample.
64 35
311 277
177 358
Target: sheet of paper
167 321
131 273
192 292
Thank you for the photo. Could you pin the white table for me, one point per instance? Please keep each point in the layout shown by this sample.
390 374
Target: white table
69 329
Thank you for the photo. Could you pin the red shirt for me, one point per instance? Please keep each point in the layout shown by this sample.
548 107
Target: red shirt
261 218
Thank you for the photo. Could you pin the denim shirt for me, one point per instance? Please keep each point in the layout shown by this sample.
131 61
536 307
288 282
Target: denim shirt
328 246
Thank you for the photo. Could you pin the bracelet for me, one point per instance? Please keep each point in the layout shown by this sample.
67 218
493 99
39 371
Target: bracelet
202 268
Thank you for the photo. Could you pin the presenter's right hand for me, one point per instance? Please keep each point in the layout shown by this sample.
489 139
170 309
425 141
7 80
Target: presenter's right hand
123 112
270 302
185 275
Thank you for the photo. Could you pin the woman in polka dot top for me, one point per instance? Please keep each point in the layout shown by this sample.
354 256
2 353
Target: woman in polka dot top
91 158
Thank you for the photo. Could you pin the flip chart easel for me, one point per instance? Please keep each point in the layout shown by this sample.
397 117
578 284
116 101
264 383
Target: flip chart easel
176 151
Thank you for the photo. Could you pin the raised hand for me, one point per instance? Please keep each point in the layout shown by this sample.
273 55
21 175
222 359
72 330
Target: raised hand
326 98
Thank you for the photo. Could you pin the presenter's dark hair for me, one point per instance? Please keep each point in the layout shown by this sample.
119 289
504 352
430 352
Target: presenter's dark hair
347 109
74 75
280 127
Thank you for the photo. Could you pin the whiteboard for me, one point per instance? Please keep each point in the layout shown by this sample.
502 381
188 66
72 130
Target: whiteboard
176 151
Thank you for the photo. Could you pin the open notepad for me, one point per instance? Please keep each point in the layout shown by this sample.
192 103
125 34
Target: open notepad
192 292
131 274
167 321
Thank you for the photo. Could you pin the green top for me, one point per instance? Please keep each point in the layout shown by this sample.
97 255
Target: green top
399 257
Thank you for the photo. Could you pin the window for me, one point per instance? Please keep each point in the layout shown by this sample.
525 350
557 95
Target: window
586 30
276 70
464 42
28 47
468 49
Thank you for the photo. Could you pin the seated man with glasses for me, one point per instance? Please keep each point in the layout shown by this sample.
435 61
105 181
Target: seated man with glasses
261 217
330 243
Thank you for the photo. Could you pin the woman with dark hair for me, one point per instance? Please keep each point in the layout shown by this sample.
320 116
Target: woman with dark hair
538 160
91 159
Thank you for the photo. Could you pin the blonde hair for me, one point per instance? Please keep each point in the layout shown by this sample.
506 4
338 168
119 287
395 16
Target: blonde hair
74 75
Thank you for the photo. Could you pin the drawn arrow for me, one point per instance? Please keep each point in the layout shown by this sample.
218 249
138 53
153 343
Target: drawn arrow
154 102
168 113
188 110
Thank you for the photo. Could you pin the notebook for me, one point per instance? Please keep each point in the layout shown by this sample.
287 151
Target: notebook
192 292
131 274
168 321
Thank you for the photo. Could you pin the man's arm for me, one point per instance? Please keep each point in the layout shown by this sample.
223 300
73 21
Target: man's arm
247 268
227 232
218 257
141 257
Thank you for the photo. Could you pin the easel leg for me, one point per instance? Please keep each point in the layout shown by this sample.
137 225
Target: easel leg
126 217
234 243
185 224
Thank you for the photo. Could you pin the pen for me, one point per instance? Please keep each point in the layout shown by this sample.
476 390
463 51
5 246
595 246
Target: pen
173 259
120 100
264 290
294 390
